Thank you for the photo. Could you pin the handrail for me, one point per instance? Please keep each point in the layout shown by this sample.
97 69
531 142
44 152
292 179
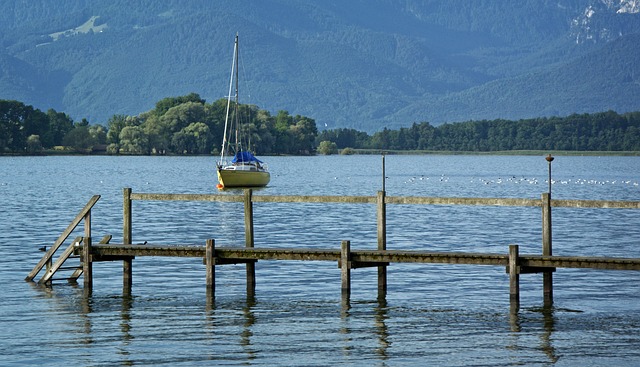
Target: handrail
63 237
418 200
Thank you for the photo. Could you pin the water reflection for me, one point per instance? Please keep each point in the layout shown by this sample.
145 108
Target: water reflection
247 333
345 330
381 315
216 317
125 314
548 321
352 334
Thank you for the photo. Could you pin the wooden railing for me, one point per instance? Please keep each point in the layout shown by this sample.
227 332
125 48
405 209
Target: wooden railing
516 264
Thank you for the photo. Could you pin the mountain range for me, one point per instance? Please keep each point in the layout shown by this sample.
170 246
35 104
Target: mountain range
363 64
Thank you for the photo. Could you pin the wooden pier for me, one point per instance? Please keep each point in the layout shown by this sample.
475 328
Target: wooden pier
347 259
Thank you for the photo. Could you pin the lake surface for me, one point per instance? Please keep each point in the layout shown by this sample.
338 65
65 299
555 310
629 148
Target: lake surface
433 314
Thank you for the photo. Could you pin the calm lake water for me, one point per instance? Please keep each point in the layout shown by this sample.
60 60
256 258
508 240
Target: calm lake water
433 314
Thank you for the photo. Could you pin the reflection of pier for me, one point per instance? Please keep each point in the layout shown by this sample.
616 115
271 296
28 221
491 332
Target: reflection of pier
347 259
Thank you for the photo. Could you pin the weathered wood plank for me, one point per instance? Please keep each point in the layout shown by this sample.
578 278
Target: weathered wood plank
187 197
388 200
314 199
148 250
596 204
368 256
396 256
582 262
278 254
462 201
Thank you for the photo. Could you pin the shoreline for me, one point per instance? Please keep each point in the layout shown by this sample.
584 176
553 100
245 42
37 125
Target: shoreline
362 152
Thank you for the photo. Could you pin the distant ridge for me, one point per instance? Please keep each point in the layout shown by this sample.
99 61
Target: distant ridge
363 65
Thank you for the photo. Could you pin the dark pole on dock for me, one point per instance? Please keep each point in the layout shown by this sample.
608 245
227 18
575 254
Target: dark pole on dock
382 243
249 241
382 233
549 159
547 248
384 177
127 264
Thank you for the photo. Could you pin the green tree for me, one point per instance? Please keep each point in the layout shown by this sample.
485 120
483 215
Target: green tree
79 139
98 133
17 122
165 104
303 133
161 128
11 116
133 140
193 139
33 144
327 147
114 126
284 140
59 125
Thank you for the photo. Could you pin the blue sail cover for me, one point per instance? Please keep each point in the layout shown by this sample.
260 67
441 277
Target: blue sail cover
245 157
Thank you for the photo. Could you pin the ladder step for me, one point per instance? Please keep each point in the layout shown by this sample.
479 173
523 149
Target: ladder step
70 267
65 279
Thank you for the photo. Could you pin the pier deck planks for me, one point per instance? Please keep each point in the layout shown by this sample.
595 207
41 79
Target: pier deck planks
111 251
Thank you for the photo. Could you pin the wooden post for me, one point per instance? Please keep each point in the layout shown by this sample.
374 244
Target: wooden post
248 235
514 277
547 276
87 263
211 269
345 268
87 224
382 243
127 265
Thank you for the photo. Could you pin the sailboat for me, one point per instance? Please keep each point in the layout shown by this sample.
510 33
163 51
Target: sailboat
244 169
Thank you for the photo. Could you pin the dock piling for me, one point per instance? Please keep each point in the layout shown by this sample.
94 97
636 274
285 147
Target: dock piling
514 277
87 263
345 268
211 268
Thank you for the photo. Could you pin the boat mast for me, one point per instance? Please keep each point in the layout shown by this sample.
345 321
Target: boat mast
237 53
234 62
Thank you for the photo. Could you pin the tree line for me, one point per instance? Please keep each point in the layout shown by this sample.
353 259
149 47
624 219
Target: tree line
177 125
604 131
189 125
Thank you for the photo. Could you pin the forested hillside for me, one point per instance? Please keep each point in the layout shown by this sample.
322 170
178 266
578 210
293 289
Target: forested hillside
348 64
